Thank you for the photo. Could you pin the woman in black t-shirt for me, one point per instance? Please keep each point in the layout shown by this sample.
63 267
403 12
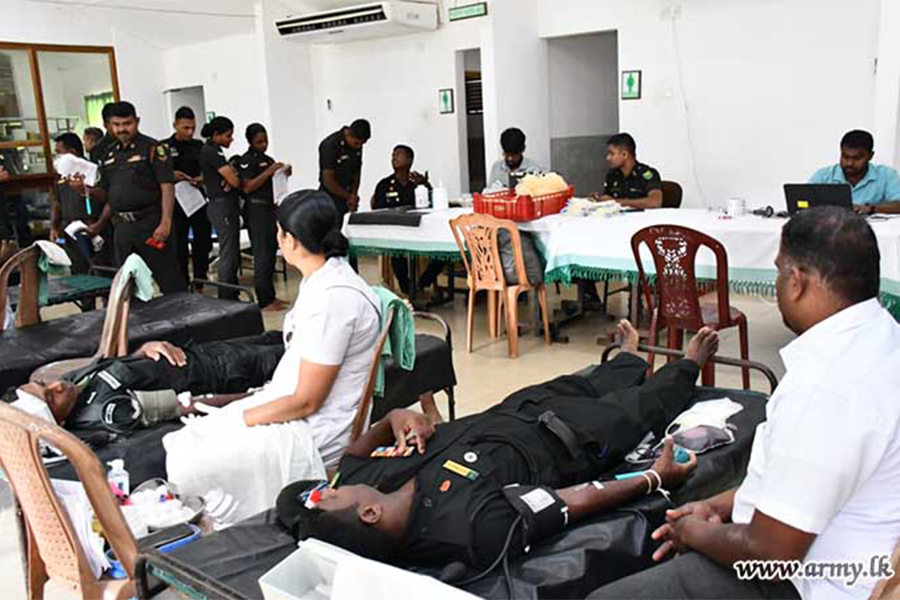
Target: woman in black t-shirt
222 189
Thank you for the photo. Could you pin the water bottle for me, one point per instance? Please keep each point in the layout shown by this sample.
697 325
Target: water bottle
119 476
422 200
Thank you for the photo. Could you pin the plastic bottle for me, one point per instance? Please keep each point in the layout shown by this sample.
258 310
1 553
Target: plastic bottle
440 197
119 476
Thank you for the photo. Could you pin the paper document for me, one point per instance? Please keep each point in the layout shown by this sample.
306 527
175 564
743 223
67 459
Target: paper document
189 197
72 496
280 184
68 165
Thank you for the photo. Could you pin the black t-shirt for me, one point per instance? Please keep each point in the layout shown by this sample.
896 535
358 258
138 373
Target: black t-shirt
335 155
185 155
73 206
212 158
250 166
638 184
391 193
131 175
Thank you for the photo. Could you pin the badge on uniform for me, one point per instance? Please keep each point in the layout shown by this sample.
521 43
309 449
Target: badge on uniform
455 467
648 175
161 153
445 485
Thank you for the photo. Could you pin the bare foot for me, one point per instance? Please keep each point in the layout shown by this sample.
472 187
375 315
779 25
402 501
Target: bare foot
628 336
702 346
276 306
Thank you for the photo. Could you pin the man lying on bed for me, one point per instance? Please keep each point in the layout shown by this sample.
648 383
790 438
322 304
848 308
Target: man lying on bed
456 498
113 397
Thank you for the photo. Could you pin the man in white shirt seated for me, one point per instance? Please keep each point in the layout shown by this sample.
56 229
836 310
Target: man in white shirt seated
514 165
823 482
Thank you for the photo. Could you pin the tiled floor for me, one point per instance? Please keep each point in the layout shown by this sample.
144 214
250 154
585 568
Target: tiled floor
487 375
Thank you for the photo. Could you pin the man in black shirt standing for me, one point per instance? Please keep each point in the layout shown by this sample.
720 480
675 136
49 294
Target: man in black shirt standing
98 150
629 182
185 152
137 182
340 165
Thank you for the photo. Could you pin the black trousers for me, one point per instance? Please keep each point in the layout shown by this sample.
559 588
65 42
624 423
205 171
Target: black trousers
131 237
692 575
224 214
199 248
400 265
262 226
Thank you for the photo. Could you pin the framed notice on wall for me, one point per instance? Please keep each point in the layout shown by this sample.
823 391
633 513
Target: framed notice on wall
631 85
445 101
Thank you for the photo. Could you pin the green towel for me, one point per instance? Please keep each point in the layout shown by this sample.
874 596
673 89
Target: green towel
134 266
52 261
401 340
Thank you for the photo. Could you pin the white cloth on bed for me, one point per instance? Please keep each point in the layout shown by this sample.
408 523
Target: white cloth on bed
333 322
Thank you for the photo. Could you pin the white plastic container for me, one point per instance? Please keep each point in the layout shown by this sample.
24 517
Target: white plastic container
421 197
119 476
440 198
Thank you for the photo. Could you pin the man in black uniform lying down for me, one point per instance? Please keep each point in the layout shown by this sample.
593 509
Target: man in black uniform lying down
489 485
114 396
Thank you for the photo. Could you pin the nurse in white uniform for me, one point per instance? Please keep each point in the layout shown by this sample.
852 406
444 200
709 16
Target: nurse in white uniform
299 424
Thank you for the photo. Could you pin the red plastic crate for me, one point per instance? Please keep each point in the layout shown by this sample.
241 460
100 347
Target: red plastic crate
505 204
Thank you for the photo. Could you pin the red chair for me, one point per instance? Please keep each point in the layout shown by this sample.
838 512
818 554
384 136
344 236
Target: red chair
674 251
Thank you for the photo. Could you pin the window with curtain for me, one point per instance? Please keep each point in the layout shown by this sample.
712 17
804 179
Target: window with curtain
93 107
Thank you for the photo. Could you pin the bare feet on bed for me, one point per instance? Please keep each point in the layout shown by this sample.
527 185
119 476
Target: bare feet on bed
702 346
628 336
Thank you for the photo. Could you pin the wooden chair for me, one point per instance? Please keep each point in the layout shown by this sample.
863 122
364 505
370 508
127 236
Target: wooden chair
672 194
361 420
113 339
53 548
26 262
674 251
477 233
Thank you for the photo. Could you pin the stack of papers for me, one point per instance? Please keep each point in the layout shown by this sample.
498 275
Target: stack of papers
68 165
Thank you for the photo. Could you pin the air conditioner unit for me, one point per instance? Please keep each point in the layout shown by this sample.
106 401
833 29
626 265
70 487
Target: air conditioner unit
366 21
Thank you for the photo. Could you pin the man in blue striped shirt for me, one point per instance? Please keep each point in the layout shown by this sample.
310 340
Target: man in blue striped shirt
875 188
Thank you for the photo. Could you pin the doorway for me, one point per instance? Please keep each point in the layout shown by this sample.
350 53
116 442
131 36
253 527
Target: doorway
584 106
191 97
471 122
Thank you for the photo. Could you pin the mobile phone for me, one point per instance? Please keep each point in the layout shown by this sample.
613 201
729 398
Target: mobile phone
154 244
166 536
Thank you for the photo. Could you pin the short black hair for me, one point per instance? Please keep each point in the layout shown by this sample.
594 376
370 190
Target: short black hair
512 140
123 110
361 129
94 132
253 129
625 141
407 149
837 244
345 529
218 125
858 140
72 142
106 112
185 112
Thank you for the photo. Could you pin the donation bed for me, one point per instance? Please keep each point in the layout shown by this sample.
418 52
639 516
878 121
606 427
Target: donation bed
229 563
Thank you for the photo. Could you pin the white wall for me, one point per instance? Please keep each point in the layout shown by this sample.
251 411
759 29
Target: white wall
394 83
583 85
769 86
230 71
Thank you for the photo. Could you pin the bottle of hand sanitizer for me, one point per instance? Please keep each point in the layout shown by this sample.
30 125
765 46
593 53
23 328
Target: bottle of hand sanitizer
119 476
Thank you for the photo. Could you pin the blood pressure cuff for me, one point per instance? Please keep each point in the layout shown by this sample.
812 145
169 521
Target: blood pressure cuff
543 512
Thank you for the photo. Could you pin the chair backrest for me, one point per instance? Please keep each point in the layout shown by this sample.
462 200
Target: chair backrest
477 233
26 262
365 403
672 194
674 249
48 522
114 338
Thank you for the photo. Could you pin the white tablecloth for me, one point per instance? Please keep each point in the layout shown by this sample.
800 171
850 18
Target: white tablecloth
600 248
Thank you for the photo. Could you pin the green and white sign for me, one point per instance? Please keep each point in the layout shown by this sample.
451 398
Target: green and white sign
469 11
445 100
631 85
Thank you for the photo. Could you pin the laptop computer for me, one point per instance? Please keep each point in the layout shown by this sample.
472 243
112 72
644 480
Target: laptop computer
808 195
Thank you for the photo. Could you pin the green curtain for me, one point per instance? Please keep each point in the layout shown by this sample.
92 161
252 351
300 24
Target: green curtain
93 107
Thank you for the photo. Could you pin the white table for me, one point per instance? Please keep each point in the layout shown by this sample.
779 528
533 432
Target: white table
598 249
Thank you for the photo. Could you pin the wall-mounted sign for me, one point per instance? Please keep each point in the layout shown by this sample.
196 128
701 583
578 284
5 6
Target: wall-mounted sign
210 115
445 100
469 11
631 85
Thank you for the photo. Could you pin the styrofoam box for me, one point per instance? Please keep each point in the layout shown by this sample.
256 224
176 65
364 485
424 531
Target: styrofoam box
303 575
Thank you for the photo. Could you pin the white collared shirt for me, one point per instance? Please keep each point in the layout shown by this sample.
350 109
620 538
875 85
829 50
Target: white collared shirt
827 459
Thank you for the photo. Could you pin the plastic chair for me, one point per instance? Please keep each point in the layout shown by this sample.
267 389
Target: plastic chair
53 548
484 271
364 411
672 194
26 262
674 251
113 339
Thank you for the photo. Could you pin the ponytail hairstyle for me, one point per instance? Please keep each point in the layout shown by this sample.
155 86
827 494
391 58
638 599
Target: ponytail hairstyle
311 217
217 126
253 130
